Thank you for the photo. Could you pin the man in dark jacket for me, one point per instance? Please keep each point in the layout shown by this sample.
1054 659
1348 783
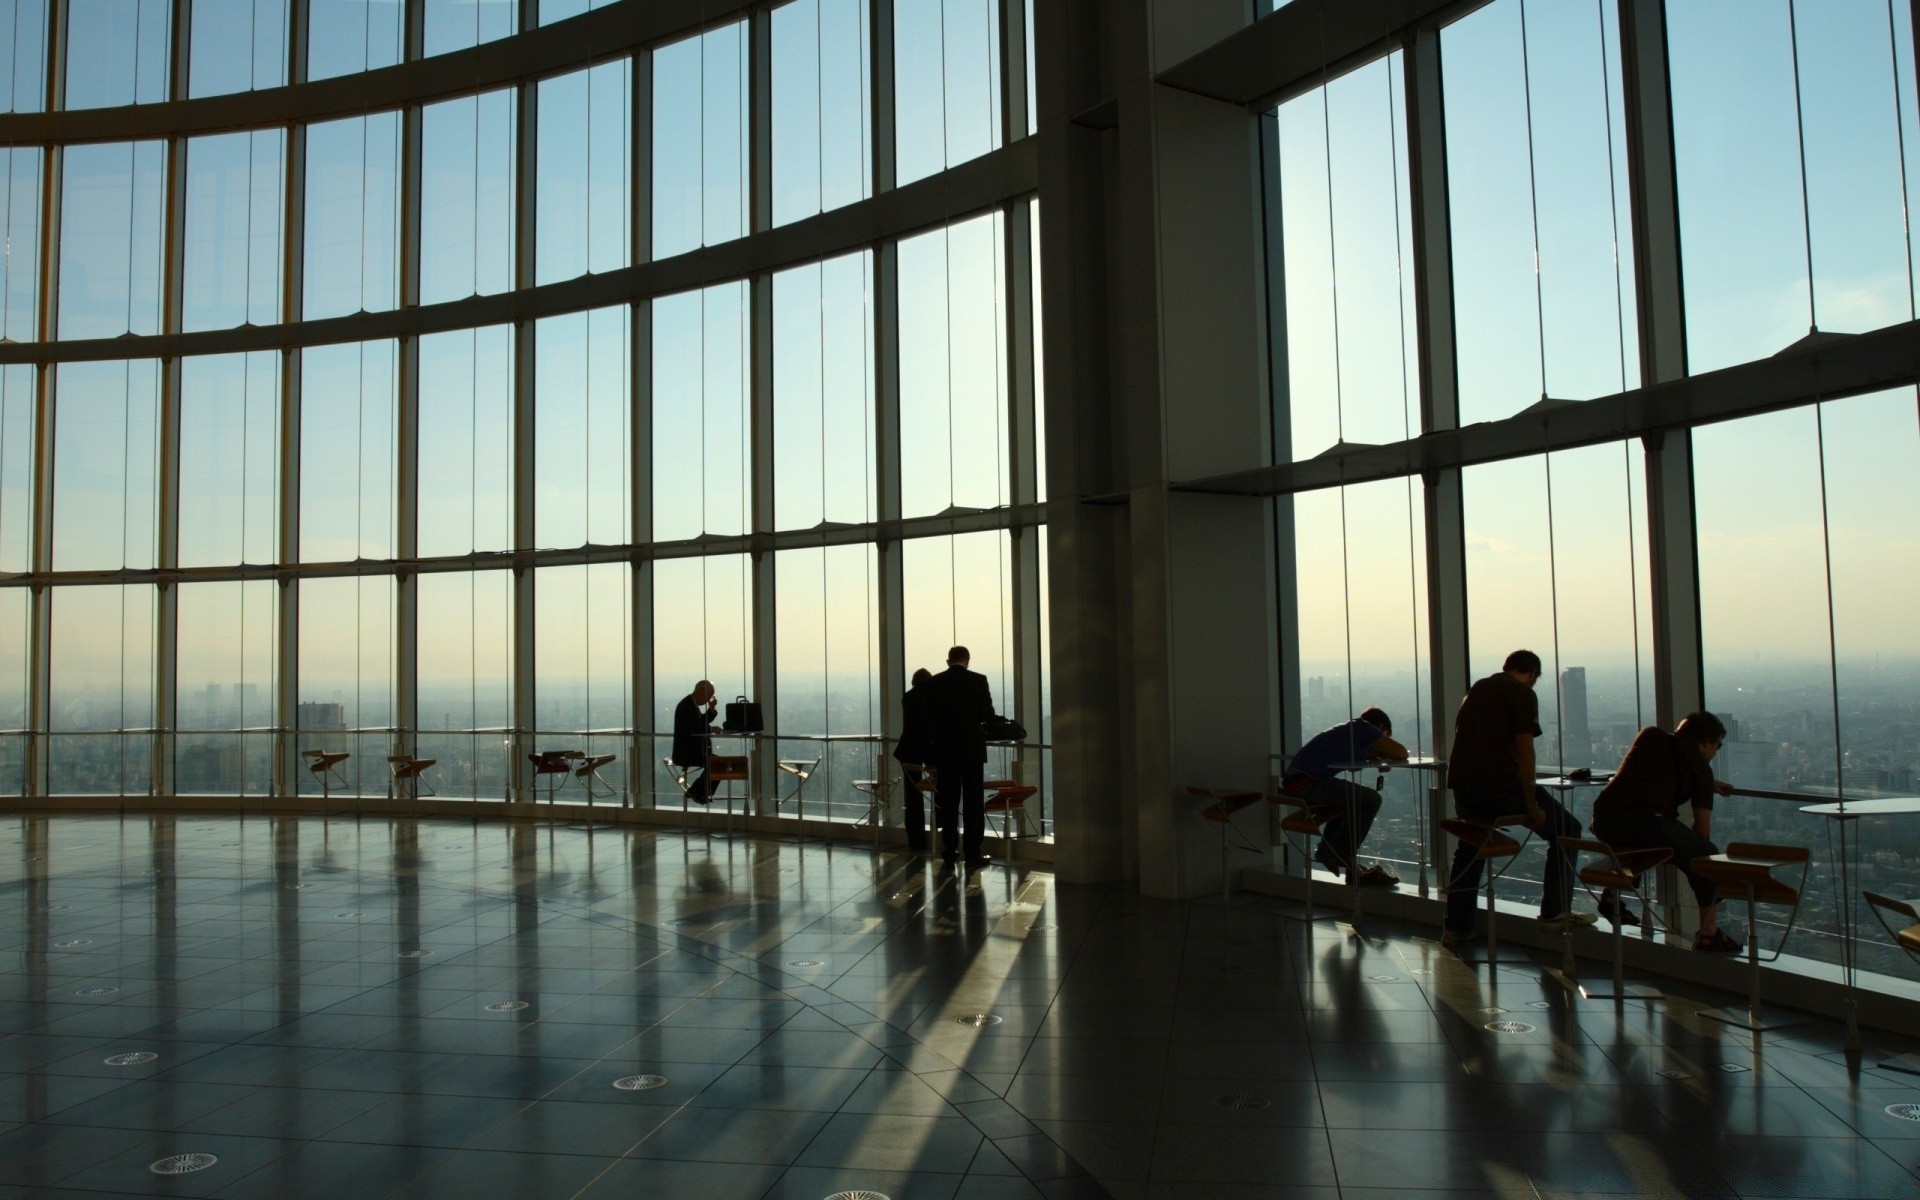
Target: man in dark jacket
913 752
693 740
958 700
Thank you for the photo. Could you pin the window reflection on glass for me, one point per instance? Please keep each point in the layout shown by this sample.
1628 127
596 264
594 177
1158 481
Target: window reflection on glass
117 52
23 64
229 457
347 456
702 613
16 633
20 243
947 89
958 590
466 197
953 376
466 441
465 672
106 465
1765 96
348 36
560 10
19 410
1344 210
701 455
235 198
225 683
237 46
100 682
458 24
353 215
582 429
823 440
820 90
583 660
584 173
112 213
827 640
346 677
1538 203
700 143
1032 210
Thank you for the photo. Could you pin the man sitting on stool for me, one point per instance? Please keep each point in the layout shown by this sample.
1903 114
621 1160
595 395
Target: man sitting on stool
1639 809
693 740
1311 777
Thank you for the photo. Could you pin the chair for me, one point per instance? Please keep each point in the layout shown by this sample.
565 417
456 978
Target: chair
406 767
588 773
1009 799
1303 823
556 765
1906 914
802 770
1225 802
322 763
1745 872
1489 843
878 792
726 768
1622 871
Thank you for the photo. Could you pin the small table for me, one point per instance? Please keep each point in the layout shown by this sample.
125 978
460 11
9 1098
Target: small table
1417 762
1840 813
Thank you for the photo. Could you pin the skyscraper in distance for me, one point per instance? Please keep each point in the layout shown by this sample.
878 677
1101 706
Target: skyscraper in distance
1576 735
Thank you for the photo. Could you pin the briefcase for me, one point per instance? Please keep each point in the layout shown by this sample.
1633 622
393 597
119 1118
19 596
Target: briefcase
743 716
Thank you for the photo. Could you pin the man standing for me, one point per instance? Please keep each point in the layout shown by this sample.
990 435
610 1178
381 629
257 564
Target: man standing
1310 776
913 752
958 701
693 740
1491 773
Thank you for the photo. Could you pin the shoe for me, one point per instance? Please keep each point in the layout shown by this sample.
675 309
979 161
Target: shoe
1452 938
1615 910
947 862
974 862
702 803
1719 943
1329 860
1568 920
1376 877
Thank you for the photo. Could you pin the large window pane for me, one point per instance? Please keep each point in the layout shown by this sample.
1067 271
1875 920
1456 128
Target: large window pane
458 24
823 404
560 10
112 209
23 64
465 673
235 198
353 215
820 89
827 639
702 629
229 459
466 441
347 457
582 429
225 683
16 635
101 682
947 83
117 52
583 623
584 172
348 36
20 243
466 197
958 591
106 465
238 45
18 420
346 677
700 144
953 384
701 455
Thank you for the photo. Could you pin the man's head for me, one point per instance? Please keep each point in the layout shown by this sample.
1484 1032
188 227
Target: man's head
958 657
1378 718
921 676
703 692
1523 665
1704 731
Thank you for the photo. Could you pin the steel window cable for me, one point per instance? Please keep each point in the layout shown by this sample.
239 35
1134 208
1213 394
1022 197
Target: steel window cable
1407 422
1900 142
1339 383
1800 145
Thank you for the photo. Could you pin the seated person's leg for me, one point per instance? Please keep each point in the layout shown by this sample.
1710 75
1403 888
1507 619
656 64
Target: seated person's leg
1556 895
1687 846
1336 842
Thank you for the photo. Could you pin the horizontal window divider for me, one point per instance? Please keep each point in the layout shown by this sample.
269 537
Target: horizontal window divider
613 31
1861 363
1022 516
1000 177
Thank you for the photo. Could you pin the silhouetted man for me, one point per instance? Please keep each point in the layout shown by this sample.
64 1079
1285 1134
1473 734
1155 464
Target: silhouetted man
914 751
1311 776
958 700
693 740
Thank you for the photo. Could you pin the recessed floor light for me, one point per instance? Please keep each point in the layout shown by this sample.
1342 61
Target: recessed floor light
182 1164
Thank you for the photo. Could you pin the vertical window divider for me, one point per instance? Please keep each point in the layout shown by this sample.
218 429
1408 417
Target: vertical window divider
286 679
1013 73
526 183
640 462
40 616
406 591
765 667
889 603
167 508
1017 309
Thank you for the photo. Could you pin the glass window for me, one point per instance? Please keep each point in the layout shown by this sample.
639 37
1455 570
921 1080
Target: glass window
101 682
827 642
23 67
117 52
19 407
106 465
346 677
701 454
947 84
560 10
238 46
1537 192
958 590
820 89
458 24
583 403
20 243
225 683
235 198
700 144
229 459
16 635
345 37
584 172
823 395
1032 208
347 457
353 215
112 210
466 197
583 659
953 380
465 673
466 441
702 629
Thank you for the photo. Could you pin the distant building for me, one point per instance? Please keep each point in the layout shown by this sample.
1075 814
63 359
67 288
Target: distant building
1576 735
1750 764
316 714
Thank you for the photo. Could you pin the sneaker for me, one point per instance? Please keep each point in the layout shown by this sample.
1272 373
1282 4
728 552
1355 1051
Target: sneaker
1568 920
1615 910
1377 877
1452 938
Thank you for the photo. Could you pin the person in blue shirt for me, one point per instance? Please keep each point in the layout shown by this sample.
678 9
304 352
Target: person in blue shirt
1311 776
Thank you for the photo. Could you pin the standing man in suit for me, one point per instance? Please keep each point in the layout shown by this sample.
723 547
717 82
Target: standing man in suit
914 751
958 701
693 740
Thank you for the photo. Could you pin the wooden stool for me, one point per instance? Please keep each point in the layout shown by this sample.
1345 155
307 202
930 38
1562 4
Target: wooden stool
322 763
1622 872
1010 801
588 773
1304 821
726 768
802 770
1224 802
1905 913
407 767
1745 872
1490 844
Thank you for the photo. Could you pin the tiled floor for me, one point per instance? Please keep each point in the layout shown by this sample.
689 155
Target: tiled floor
373 1008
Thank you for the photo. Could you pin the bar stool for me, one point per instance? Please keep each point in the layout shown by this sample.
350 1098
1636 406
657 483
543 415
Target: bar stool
1010 801
1304 822
588 773
322 763
1622 871
556 765
1223 804
727 768
801 770
878 793
407 767
1907 914
1490 844
1745 872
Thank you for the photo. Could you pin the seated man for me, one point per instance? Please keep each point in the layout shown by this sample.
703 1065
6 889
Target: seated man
1640 808
1310 776
693 740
